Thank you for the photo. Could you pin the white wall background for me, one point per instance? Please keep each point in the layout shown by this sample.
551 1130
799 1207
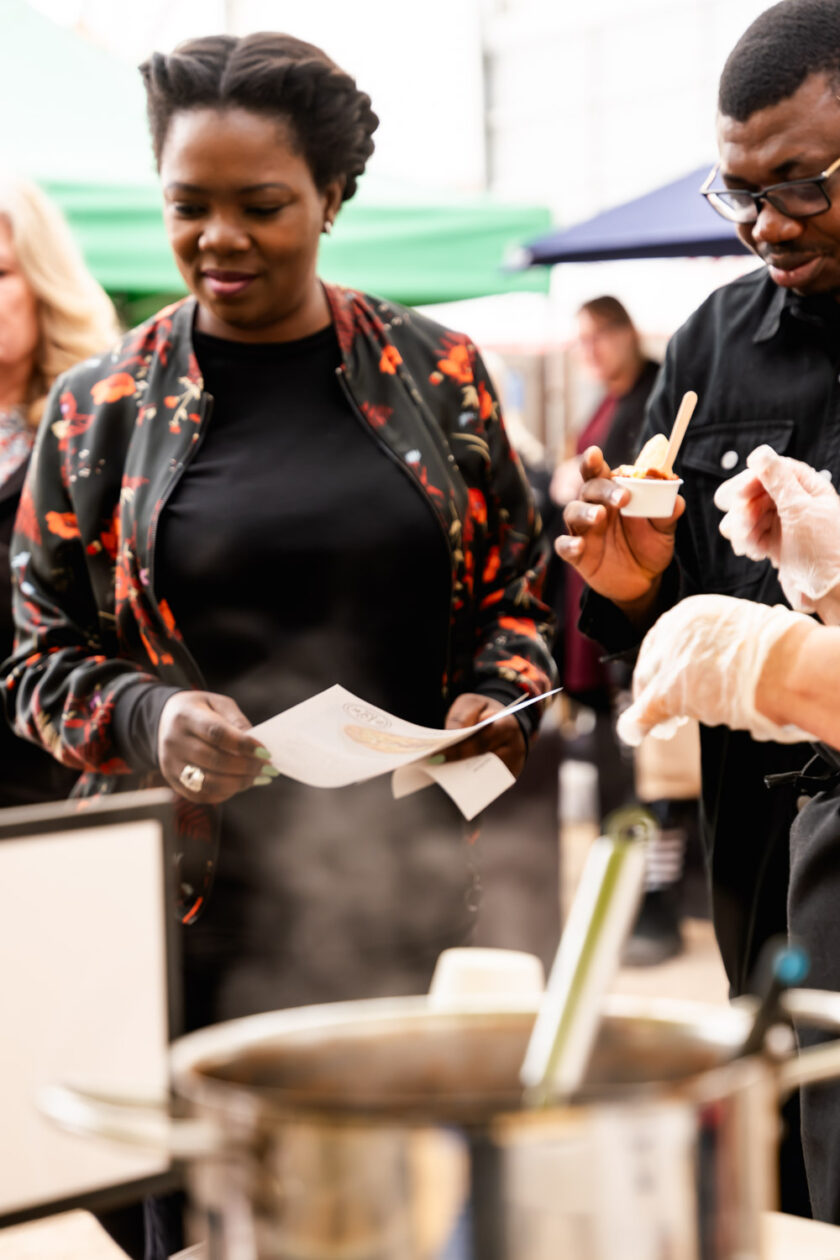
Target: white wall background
591 104
421 65
587 103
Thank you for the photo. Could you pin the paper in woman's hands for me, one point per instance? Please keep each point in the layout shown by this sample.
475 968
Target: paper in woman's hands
335 739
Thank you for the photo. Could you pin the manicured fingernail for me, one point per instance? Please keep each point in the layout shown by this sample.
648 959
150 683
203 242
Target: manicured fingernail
261 780
264 753
271 771
616 496
437 760
591 513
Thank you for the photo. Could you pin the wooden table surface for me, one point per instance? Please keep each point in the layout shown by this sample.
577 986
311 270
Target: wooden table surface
78 1236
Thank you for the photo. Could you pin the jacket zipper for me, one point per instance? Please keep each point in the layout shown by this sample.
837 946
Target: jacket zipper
392 455
206 412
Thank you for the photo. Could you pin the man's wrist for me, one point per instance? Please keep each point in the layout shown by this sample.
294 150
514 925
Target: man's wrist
785 688
641 612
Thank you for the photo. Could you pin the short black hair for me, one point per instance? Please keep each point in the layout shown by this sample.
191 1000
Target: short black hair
278 76
783 47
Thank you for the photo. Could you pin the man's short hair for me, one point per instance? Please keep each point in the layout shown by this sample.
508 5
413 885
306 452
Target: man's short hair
784 46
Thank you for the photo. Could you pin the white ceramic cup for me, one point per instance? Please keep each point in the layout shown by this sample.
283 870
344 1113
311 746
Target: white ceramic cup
649 496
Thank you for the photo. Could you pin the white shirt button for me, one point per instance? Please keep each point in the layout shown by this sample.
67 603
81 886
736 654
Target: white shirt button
729 460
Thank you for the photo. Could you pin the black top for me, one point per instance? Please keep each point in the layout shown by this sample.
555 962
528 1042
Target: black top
273 598
319 894
764 363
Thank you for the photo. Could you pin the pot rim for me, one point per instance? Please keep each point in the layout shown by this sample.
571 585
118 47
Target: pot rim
193 1056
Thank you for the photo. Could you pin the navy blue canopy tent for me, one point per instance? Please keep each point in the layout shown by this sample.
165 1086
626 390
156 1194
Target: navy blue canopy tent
673 221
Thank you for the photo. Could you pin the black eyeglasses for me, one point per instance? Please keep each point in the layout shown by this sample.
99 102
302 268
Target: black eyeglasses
798 198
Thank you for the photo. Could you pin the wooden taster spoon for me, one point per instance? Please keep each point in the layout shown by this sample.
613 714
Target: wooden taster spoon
686 411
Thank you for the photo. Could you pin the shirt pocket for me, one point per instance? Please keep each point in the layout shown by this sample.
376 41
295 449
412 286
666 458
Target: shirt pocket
711 455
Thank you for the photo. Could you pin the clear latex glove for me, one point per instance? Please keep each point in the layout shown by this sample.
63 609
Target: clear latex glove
703 659
783 511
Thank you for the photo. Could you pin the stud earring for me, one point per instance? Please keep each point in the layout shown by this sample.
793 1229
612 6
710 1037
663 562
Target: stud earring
327 226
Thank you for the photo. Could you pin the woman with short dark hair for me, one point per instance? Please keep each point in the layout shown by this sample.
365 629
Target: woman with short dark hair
270 487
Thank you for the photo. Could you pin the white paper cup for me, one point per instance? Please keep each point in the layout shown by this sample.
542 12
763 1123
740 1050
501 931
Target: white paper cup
472 976
649 496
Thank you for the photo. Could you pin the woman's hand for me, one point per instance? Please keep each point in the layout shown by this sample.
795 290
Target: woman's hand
783 511
205 731
706 658
504 738
620 557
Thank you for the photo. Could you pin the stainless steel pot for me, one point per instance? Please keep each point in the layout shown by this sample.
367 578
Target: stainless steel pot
388 1130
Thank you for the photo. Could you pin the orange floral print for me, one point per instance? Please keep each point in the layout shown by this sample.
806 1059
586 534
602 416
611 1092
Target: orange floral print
120 385
492 564
519 625
478 506
486 406
376 414
63 524
458 364
389 360
518 669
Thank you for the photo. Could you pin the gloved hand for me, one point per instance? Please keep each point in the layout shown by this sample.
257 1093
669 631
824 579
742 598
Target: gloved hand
703 659
783 511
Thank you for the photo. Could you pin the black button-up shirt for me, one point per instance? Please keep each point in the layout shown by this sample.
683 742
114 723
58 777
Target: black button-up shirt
764 363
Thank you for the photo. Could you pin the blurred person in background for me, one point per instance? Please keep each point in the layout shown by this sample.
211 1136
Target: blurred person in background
53 314
763 354
611 351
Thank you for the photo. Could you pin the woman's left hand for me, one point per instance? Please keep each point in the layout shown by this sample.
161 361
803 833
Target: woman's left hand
504 738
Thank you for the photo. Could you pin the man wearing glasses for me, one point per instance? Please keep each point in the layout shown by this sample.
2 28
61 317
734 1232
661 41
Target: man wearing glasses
763 355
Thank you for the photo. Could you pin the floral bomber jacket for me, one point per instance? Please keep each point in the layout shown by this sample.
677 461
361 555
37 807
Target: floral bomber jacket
117 434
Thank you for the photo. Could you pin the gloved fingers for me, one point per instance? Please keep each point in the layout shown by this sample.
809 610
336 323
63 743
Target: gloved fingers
763 541
739 489
758 538
798 601
804 586
811 480
785 479
648 715
631 727
667 730
746 517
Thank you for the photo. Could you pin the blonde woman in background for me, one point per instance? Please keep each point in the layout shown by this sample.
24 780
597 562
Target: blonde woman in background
52 315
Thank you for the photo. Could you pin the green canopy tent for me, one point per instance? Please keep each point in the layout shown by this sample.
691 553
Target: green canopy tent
74 118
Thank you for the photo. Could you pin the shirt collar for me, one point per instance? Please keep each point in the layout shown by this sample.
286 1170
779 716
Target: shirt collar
769 326
784 303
